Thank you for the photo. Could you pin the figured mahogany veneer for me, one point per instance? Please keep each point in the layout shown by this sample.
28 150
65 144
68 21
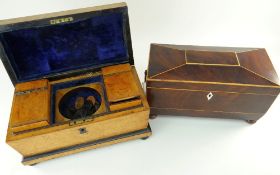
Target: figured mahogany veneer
224 82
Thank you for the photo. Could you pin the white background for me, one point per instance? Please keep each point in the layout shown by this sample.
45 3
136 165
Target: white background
179 145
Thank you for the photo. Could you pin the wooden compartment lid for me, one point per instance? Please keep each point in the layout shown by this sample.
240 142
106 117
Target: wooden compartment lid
203 64
30 109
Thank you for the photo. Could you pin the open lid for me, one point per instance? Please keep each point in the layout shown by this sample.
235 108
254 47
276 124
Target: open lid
216 65
49 45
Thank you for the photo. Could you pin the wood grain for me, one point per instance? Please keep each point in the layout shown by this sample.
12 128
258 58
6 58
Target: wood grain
207 48
125 104
206 114
197 100
162 58
259 63
63 135
71 135
220 74
30 110
242 80
120 86
210 57
115 69
213 87
31 85
124 139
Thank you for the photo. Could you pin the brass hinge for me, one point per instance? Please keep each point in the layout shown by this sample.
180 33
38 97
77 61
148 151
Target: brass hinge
31 91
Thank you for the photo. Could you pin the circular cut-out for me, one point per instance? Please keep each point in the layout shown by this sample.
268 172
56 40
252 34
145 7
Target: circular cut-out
80 102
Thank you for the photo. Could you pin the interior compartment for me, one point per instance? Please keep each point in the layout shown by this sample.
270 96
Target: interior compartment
60 90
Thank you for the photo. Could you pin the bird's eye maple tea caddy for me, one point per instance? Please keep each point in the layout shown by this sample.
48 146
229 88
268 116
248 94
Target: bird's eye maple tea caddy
76 87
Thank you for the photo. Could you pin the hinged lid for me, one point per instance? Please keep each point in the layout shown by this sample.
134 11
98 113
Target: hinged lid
211 65
74 41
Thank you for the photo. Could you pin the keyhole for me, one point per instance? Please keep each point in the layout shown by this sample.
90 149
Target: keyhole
83 130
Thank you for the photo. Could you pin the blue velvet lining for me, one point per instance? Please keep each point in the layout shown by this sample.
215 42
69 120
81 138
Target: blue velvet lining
56 87
42 51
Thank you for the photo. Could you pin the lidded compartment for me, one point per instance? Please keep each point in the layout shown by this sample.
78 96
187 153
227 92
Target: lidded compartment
67 69
210 81
39 50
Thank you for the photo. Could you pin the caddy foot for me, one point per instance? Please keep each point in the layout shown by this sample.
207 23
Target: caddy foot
144 138
152 116
251 121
